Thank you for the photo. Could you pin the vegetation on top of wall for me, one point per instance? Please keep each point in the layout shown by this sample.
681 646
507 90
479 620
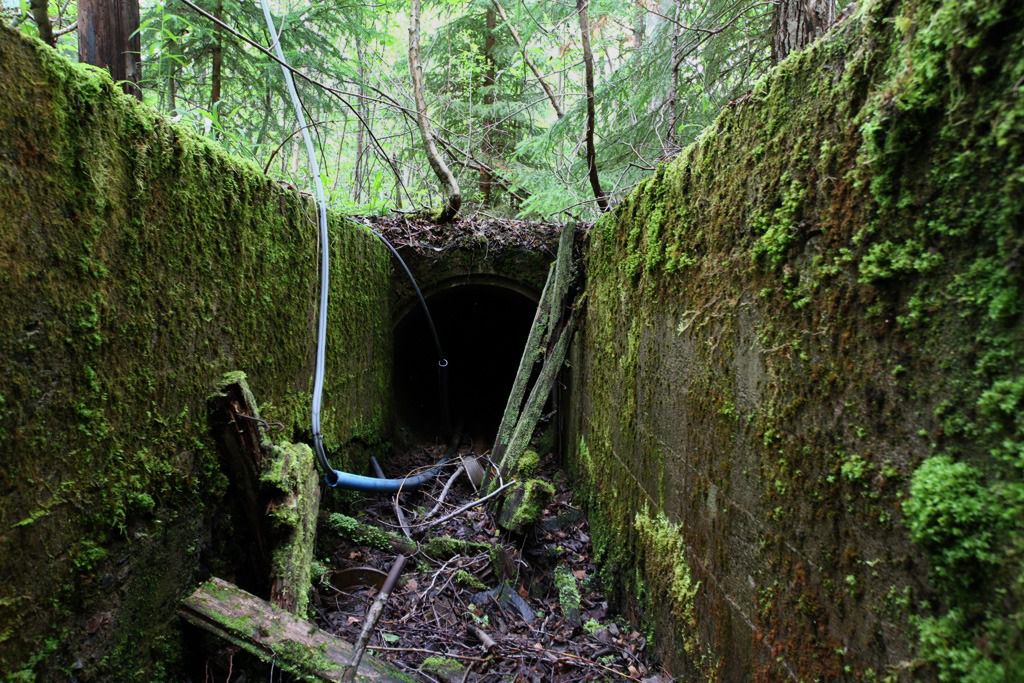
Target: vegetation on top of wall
137 264
834 278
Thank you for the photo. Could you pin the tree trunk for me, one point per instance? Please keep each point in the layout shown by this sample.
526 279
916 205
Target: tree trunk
588 64
490 77
108 37
41 16
172 93
361 151
672 145
218 58
453 199
795 23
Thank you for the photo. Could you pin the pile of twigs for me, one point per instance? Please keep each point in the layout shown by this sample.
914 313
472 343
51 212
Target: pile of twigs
493 611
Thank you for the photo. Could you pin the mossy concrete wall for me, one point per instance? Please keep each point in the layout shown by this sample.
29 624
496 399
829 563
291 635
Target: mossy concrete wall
798 395
137 264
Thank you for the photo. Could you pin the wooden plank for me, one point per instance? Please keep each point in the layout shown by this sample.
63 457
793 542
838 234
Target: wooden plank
278 490
294 485
531 353
535 403
546 324
274 635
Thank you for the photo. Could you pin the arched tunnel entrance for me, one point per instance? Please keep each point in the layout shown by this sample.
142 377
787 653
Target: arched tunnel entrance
483 326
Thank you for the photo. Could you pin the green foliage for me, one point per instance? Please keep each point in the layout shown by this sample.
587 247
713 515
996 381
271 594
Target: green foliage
568 591
659 85
958 660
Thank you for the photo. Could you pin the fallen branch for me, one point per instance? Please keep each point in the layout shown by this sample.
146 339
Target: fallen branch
484 639
386 648
372 615
467 506
444 492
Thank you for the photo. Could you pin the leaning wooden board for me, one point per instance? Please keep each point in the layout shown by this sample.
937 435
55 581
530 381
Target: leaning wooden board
273 634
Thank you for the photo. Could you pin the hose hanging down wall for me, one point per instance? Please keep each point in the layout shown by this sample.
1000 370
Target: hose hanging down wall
333 477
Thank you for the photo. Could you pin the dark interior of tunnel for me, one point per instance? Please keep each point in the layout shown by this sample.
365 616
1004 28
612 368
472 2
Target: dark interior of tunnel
483 329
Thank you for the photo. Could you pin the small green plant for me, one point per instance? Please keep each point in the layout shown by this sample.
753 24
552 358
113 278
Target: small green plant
853 468
478 617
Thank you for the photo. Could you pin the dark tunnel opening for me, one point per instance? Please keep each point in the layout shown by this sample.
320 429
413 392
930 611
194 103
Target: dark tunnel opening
483 329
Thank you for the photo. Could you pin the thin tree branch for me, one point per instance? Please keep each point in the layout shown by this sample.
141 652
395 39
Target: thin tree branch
453 199
526 58
588 63
70 28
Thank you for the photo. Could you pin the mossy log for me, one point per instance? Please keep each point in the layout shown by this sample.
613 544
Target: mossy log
523 503
439 548
274 635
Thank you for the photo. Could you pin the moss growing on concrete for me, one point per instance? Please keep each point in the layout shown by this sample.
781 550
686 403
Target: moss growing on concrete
845 335
138 263
666 577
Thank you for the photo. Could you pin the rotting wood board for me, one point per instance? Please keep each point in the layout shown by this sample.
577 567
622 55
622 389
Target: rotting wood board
274 635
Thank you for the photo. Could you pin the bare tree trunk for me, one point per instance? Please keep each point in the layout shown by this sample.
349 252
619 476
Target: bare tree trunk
361 151
526 58
218 58
41 16
588 63
108 37
490 78
453 199
672 145
795 23
172 93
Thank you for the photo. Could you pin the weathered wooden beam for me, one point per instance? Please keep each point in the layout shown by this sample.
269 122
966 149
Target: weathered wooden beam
239 433
546 324
274 635
535 403
531 353
294 486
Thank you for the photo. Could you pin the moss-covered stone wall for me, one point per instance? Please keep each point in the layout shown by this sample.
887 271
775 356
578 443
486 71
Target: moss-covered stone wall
799 391
138 263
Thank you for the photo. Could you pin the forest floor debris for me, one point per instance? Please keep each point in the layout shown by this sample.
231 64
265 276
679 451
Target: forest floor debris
421 234
502 609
